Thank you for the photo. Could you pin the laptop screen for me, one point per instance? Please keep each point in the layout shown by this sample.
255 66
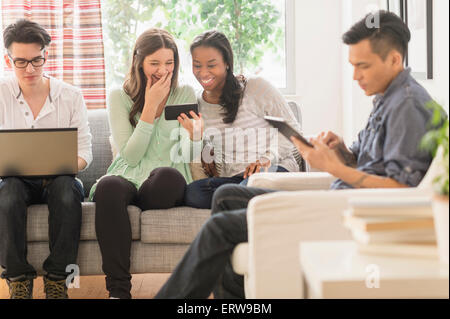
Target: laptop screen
38 152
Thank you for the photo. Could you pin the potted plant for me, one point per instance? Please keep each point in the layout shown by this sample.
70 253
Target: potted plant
436 141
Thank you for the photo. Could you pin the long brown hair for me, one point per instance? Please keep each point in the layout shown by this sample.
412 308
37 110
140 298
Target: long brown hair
135 82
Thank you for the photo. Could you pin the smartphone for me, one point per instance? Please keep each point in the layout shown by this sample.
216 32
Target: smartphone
285 129
173 111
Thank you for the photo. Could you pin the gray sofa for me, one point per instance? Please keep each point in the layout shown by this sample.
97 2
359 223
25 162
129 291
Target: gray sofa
160 237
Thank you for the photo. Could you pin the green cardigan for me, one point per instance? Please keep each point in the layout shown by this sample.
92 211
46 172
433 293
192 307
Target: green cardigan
148 146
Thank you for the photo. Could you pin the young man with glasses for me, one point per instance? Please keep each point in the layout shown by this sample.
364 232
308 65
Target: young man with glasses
30 99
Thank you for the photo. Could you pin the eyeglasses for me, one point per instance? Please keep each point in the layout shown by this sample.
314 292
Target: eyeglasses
23 63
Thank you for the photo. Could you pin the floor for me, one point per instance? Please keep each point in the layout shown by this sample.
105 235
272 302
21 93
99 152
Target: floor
144 286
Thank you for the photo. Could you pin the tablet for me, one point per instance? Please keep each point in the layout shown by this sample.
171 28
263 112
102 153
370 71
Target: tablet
173 111
285 129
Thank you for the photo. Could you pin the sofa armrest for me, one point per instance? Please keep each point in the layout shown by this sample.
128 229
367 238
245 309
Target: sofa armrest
277 222
239 259
292 181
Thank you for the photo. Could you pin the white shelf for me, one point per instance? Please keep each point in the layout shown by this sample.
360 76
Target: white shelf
335 269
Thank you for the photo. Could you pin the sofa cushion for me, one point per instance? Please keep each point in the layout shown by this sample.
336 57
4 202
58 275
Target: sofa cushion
155 258
177 225
37 222
101 149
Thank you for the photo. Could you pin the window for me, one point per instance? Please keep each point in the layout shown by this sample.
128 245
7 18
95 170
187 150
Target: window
2 52
263 41
268 50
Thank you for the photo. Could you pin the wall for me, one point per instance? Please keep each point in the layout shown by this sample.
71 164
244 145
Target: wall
318 64
438 86
356 106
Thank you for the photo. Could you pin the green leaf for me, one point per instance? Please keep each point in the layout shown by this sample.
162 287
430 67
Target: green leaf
438 136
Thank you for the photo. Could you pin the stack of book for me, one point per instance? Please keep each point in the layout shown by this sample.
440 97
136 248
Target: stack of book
398 226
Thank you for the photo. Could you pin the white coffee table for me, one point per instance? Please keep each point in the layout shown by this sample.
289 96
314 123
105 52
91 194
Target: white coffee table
334 269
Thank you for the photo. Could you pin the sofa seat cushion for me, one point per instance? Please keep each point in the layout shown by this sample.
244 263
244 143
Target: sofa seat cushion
37 222
155 258
177 225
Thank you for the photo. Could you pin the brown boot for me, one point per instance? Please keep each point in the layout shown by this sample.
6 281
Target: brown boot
20 288
55 289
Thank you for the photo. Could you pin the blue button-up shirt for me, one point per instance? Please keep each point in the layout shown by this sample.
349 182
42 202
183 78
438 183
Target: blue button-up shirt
389 144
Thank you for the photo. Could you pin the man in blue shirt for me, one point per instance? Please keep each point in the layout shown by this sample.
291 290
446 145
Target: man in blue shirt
386 155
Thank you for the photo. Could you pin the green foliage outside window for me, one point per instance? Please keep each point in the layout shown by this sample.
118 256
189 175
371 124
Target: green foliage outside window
252 26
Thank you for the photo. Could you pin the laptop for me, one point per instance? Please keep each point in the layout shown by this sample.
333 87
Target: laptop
38 152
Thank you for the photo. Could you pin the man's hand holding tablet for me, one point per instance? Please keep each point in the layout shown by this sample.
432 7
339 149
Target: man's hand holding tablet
285 129
323 153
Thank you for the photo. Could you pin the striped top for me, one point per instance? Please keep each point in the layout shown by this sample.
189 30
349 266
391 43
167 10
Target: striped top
249 137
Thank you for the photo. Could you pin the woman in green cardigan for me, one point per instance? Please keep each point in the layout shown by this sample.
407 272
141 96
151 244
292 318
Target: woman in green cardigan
152 167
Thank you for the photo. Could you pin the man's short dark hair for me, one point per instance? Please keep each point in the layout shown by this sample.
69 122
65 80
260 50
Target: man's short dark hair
391 33
26 31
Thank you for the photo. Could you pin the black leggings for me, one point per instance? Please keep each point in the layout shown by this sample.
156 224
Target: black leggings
163 189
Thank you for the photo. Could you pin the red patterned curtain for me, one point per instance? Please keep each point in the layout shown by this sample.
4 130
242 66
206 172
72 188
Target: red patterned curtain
76 52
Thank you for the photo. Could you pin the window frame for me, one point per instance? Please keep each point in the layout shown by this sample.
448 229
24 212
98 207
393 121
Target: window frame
290 49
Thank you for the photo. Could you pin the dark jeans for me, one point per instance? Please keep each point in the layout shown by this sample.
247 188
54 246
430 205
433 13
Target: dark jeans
199 193
63 195
163 189
206 265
